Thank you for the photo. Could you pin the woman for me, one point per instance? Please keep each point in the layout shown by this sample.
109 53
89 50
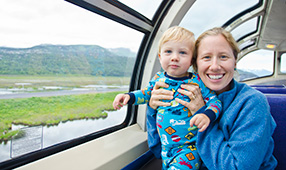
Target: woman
241 136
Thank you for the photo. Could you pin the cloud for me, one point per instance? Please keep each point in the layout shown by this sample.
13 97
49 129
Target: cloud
26 23
263 59
206 14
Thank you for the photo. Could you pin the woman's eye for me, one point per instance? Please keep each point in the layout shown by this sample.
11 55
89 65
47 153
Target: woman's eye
206 57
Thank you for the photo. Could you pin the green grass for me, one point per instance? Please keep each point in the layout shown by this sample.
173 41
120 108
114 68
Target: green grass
52 110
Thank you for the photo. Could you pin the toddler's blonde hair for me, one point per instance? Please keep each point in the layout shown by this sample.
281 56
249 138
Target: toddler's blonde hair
177 33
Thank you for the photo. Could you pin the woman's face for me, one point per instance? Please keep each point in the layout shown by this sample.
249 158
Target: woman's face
216 63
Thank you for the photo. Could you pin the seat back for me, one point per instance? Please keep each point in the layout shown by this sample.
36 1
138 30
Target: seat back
278 110
276 90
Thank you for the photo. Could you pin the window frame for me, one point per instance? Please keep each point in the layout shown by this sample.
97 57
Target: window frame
280 54
133 20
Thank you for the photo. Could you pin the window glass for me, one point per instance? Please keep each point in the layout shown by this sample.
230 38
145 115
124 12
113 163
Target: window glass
206 14
263 66
145 7
245 28
247 44
60 69
283 63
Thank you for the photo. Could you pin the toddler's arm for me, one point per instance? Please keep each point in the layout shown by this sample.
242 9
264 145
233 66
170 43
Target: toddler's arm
201 120
120 100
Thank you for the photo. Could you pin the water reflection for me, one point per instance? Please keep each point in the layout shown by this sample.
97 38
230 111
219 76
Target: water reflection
69 130
4 91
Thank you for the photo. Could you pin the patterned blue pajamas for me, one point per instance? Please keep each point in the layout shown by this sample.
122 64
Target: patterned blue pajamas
173 122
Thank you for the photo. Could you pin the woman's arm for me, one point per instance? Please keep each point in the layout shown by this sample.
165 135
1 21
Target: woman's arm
153 136
157 95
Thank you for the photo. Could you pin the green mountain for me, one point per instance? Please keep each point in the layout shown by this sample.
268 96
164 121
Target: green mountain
66 59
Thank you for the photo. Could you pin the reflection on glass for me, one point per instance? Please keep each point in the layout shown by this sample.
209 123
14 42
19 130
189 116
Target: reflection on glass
206 14
61 66
263 66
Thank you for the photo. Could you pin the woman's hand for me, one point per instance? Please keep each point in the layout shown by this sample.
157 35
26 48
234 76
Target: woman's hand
194 93
159 94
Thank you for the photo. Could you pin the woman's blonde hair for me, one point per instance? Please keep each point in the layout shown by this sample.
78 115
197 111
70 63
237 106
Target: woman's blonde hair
213 32
177 33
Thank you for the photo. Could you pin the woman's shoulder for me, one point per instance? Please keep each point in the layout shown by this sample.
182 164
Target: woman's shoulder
248 103
248 93
247 90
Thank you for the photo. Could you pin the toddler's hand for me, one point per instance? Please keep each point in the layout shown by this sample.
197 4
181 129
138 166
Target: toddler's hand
120 100
201 120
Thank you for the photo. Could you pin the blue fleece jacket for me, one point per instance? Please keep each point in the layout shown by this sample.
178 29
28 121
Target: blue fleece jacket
241 138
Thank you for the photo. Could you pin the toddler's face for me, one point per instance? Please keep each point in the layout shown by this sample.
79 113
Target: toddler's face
175 57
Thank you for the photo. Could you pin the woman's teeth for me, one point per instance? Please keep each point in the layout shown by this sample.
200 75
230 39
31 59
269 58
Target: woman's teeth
215 77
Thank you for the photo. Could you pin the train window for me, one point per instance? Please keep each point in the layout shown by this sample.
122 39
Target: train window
145 7
283 63
263 66
246 28
60 68
247 43
199 19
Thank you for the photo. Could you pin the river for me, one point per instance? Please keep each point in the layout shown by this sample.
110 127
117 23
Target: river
64 131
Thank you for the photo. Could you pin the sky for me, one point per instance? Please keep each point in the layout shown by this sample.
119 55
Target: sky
263 59
26 23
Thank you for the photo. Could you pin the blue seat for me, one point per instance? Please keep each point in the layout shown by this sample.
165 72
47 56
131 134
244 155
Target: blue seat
278 110
268 86
272 90
144 160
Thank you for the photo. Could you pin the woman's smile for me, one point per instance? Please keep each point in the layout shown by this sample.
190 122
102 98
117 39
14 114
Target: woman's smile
215 76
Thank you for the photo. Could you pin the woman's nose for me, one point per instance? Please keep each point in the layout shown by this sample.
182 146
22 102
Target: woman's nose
215 64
